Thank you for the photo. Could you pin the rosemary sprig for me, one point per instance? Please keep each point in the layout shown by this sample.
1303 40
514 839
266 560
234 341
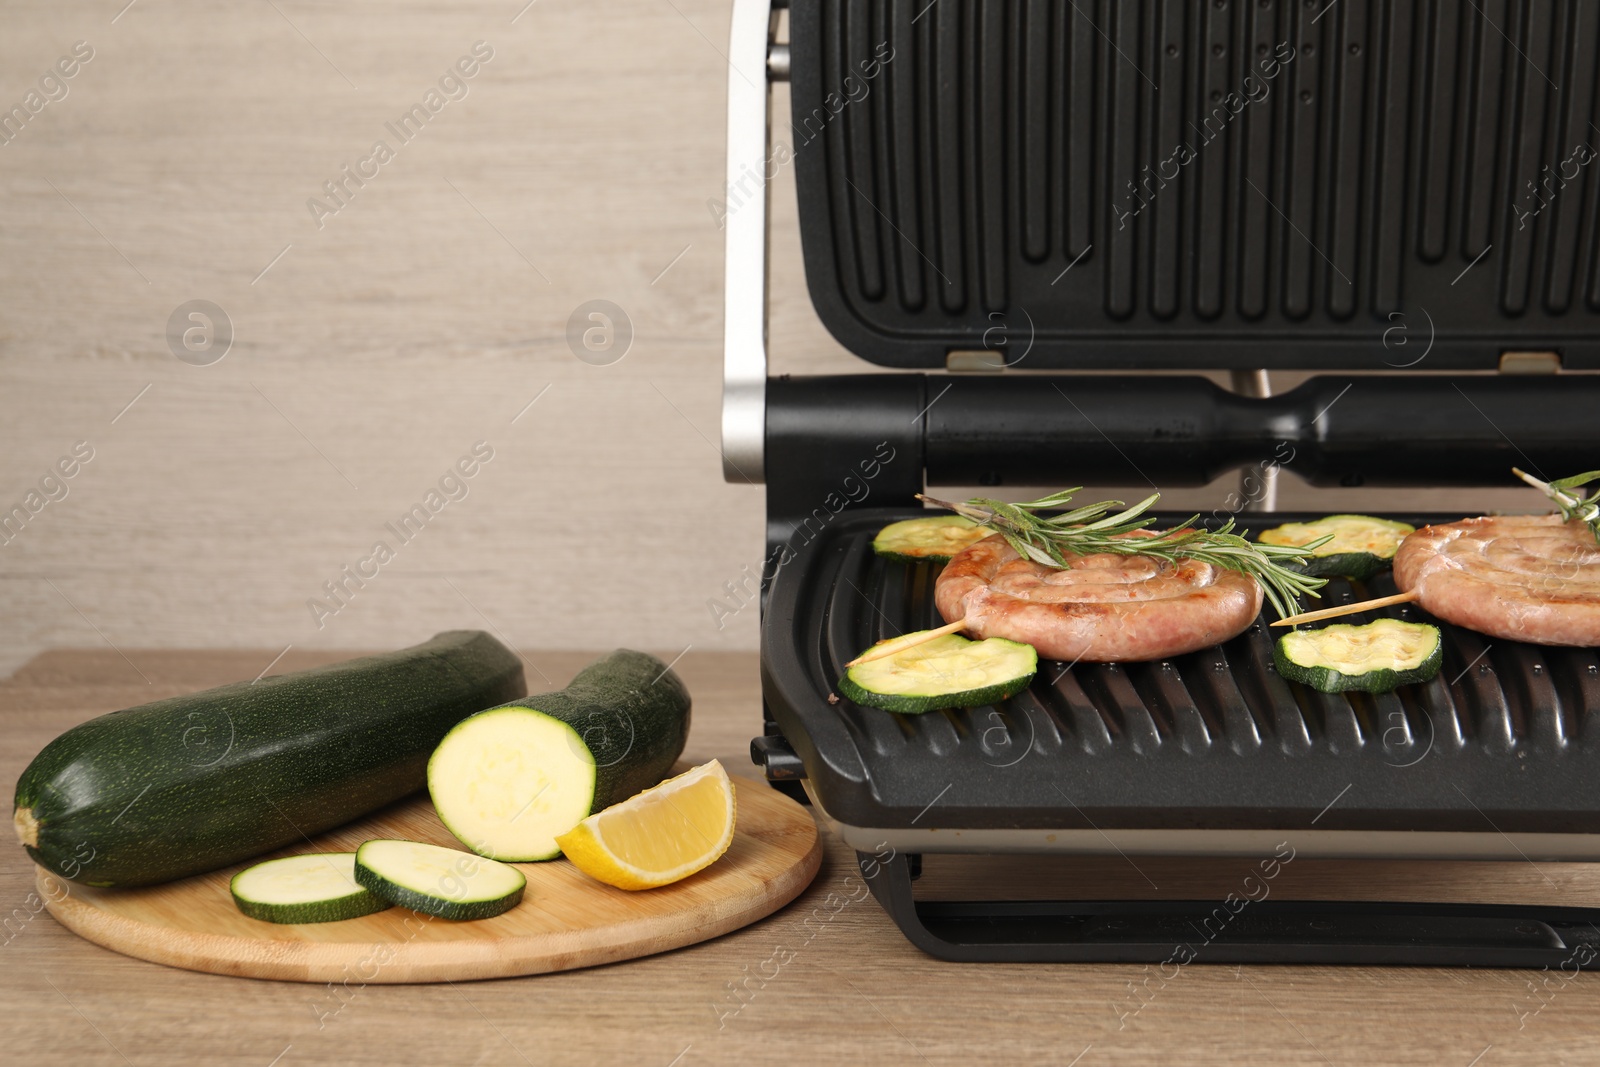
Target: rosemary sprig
1572 506
1050 540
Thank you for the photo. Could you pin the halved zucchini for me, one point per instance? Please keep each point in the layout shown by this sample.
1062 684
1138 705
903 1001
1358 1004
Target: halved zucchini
1373 658
508 780
442 882
947 672
935 539
1358 546
317 887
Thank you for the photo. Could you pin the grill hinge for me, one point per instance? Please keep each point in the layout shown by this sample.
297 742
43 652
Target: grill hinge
974 361
1543 362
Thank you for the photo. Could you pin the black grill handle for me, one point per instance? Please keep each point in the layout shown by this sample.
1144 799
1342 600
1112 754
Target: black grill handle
1053 430
1172 934
1049 430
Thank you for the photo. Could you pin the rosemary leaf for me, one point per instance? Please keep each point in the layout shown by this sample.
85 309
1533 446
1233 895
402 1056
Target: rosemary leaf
1573 506
1092 528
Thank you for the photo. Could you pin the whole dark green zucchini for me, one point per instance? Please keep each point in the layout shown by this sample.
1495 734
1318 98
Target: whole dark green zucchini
509 780
197 782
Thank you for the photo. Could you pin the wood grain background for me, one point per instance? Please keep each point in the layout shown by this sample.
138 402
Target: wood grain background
372 352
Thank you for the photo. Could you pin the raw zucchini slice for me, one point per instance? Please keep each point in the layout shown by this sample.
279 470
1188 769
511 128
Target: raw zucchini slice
947 672
1358 546
1373 658
935 539
437 881
318 887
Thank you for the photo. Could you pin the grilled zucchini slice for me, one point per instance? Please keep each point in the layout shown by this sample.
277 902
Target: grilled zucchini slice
947 672
1375 657
1358 546
935 539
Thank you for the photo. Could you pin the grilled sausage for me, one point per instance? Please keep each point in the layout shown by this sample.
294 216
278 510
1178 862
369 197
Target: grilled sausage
1103 608
1519 577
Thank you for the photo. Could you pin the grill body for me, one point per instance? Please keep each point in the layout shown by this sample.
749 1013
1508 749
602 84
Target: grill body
1396 196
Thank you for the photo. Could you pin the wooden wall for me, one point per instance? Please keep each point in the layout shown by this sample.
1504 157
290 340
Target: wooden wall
373 346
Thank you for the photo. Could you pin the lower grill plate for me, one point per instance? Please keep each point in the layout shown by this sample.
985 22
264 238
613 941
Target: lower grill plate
1501 742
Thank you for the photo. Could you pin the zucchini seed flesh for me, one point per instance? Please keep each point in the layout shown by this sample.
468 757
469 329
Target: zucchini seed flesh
508 780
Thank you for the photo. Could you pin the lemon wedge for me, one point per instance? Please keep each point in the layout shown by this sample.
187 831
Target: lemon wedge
659 836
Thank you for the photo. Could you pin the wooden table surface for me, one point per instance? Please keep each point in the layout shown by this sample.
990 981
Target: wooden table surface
828 980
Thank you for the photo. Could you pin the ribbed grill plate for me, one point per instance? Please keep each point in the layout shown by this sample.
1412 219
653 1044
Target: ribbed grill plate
1502 740
1144 183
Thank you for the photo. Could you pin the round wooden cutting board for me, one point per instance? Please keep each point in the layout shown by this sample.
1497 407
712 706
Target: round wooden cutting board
566 919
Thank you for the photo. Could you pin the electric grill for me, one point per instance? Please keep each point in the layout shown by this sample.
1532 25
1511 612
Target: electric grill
1011 204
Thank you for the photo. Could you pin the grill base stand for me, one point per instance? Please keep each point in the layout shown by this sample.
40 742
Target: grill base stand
1171 934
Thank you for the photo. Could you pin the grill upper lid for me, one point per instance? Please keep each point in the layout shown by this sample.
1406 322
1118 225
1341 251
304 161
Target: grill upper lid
1152 184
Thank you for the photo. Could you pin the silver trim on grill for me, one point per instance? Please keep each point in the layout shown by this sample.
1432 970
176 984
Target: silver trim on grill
744 329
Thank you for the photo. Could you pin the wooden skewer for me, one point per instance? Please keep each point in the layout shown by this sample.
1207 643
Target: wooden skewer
1348 609
900 644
